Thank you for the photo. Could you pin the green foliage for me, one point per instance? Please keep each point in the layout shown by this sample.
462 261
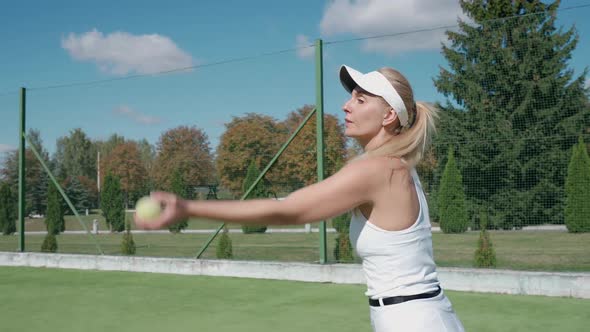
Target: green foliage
224 248
78 195
451 199
514 106
342 223
8 210
128 245
577 186
180 188
112 203
258 192
49 243
485 256
343 249
54 216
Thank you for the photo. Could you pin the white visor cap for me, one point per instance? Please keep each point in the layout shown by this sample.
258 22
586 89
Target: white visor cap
375 83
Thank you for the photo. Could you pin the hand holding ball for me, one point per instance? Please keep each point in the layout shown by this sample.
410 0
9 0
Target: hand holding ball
147 209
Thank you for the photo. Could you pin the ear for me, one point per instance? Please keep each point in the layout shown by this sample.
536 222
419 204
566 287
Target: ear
390 118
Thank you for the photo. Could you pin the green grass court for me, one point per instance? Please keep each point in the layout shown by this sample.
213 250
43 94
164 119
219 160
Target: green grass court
39 299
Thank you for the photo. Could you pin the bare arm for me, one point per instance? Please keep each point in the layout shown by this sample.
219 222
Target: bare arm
348 188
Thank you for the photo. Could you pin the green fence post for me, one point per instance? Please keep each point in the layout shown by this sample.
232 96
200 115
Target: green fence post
319 75
21 171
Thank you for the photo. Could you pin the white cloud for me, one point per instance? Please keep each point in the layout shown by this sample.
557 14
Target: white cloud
136 116
6 148
121 53
366 18
305 48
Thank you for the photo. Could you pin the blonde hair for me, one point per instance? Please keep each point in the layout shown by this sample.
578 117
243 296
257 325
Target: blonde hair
412 141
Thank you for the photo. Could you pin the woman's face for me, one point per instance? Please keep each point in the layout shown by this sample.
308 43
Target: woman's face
364 115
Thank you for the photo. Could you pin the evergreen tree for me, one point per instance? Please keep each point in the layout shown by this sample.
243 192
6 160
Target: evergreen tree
77 195
112 203
54 215
49 243
451 199
128 245
224 249
343 251
485 256
577 186
8 210
518 106
258 192
180 188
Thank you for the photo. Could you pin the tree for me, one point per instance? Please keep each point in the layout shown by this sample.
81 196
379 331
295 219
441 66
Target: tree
54 215
77 194
125 162
343 249
128 245
8 210
485 256
180 188
520 108
298 165
186 149
251 138
36 178
451 199
112 203
258 192
76 155
224 248
49 243
577 187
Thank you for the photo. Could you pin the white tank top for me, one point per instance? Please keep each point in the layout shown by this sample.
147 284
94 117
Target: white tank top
396 262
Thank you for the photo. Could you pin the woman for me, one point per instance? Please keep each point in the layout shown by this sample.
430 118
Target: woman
390 227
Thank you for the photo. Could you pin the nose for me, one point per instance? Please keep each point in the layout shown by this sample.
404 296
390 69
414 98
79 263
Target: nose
346 106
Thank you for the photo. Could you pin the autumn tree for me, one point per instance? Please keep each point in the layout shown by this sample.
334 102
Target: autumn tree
298 164
125 162
185 149
253 137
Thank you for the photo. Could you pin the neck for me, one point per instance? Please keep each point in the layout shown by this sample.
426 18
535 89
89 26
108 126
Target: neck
376 141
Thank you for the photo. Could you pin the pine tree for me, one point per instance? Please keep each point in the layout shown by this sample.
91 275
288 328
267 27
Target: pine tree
8 210
49 243
54 216
128 245
180 188
258 192
343 251
77 195
485 256
451 199
519 108
577 185
224 249
112 203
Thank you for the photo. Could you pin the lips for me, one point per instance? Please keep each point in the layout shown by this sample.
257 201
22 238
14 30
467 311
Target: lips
347 121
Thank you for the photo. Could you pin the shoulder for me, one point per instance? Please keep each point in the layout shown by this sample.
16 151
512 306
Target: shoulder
377 169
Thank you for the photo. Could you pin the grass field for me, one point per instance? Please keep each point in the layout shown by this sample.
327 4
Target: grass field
38 299
520 250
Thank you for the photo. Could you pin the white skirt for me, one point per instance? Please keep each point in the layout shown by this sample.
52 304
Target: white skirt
424 315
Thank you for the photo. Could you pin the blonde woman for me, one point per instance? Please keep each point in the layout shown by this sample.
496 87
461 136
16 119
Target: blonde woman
390 227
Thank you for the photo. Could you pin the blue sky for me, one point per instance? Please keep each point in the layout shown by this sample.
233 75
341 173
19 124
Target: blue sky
48 43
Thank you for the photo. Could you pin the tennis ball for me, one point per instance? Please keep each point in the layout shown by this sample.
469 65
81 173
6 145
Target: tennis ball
147 208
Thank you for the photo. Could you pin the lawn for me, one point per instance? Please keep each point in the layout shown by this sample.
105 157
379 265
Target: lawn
40 299
519 250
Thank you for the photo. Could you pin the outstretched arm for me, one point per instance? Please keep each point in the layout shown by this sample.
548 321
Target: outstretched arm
348 188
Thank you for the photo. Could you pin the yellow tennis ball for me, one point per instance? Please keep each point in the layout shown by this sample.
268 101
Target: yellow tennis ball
147 208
